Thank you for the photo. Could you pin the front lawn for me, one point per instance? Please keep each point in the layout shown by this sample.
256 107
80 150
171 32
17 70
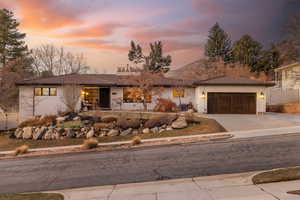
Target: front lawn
277 175
206 126
34 196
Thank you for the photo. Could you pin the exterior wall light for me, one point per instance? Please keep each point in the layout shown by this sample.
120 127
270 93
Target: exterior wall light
262 95
203 95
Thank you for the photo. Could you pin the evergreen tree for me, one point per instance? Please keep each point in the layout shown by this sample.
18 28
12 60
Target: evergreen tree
12 45
268 61
155 62
247 51
218 44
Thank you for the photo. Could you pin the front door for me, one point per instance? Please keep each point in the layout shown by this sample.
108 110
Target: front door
104 98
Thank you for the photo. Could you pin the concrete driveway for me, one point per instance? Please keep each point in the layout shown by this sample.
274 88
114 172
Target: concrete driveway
251 122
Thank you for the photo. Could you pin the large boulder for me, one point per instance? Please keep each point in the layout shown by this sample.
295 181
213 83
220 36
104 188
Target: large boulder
155 130
180 123
128 123
90 134
60 119
27 132
160 121
113 132
39 133
146 130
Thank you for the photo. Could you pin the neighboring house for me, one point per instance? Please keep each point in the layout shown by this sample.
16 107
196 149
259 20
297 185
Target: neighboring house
287 85
222 95
288 76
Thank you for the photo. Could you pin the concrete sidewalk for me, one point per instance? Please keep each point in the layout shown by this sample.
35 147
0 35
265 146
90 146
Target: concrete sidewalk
235 134
221 187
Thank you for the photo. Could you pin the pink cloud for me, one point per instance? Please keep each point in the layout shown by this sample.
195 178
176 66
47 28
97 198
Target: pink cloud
96 44
95 31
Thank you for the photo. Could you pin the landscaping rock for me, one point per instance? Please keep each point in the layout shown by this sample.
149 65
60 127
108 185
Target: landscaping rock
27 133
135 132
113 132
179 123
76 118
60 119
39 133
169 128
159 121
90 134
161 130
146 130
19 133
126 132
48 134
155 130
70 133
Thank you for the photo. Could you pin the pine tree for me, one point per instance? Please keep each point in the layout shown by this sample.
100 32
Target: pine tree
218 44
268 61
155 62
12 45
247 51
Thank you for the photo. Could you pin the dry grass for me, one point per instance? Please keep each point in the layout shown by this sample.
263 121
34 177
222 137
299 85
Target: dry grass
46 120
33 196
90 143
136 140
277 175
21 150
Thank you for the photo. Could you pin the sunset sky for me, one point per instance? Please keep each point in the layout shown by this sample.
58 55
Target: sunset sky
103 29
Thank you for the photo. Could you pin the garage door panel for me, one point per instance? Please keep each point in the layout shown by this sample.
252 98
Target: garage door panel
232 103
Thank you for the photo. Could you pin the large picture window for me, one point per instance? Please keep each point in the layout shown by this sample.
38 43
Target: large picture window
135 95
45 91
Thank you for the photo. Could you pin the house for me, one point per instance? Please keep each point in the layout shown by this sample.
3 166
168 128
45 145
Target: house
226 94
287 85
288 76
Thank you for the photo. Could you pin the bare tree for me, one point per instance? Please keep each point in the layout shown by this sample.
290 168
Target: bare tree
50 60
71 96
144 90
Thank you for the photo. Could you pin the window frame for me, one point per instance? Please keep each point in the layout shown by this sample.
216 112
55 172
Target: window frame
42 92
148 100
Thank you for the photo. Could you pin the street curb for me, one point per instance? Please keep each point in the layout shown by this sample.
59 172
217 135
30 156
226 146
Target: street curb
168 139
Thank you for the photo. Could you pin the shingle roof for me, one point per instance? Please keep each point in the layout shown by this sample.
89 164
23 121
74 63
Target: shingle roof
121 80
102 80
231 80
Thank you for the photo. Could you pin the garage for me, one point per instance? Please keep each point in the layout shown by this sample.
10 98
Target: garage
231 103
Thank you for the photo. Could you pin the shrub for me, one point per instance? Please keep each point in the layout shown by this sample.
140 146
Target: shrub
109 119
165 105
71 124
128 123
136 140
90 143
44 121
101 125
159 121
21 150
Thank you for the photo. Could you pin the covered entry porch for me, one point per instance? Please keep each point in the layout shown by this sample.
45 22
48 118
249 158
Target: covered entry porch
95 98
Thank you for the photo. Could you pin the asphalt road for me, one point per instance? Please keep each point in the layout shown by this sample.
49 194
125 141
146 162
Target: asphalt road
148 164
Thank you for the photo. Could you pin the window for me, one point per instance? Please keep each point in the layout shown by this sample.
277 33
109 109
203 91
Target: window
38 91
53 92
135 95
178 92
45 91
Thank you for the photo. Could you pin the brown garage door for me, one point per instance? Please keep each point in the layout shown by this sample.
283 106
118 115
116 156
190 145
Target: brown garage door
231 103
